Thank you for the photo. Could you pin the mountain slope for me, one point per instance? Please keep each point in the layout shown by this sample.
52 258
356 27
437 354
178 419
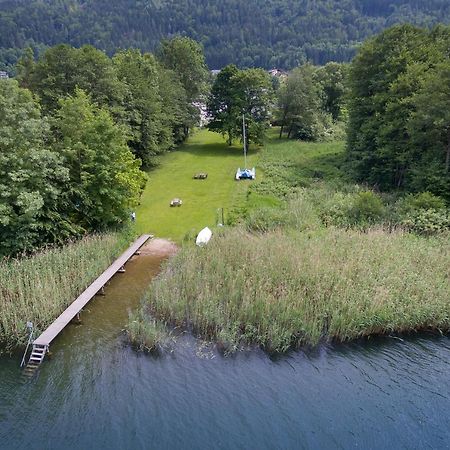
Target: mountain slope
263 33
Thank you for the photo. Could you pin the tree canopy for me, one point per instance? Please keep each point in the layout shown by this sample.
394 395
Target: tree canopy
32 176
252 33
237 93
398 110
76 126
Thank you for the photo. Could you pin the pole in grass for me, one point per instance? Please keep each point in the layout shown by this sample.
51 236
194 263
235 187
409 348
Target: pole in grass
244 138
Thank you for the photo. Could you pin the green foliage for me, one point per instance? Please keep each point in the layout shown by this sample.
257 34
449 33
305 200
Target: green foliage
185 58
32 176
423 200
299 105
399 132
105 180
430 128
273 33
427 221
367 207
62 69
236 93
78 175
332 78
423 213
150 126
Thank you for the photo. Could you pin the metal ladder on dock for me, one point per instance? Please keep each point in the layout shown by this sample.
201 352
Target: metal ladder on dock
35 359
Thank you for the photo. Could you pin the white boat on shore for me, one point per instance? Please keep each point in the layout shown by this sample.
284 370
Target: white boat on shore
203 237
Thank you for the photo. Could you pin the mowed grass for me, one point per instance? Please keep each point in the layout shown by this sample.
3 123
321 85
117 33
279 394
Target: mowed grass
173 178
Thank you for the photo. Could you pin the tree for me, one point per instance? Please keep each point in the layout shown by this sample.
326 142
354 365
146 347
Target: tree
380 106
105 180
176 112
398 110
430 132
25 68
62 69
222 103
186 59
238 93
143 107
299 105
32 177
332 79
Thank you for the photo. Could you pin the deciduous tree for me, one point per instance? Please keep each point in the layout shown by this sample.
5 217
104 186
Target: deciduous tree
32 177
105 180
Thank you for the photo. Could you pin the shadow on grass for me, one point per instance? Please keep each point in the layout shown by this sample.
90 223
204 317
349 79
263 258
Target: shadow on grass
220 150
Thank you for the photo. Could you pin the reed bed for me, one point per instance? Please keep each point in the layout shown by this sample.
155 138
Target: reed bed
149 335
287 288
38 288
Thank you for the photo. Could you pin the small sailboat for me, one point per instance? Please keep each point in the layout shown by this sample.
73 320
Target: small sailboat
245 174
203 237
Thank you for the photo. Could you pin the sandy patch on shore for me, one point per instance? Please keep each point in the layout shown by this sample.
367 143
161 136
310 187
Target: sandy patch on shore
159 247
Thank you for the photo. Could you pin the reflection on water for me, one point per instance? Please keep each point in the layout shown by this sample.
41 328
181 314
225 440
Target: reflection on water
96 392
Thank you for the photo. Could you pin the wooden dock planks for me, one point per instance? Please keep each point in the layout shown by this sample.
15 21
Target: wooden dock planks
60 323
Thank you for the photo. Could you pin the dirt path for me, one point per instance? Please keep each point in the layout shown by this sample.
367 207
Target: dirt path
159 247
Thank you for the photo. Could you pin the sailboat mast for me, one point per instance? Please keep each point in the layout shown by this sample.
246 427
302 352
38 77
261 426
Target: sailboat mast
245 147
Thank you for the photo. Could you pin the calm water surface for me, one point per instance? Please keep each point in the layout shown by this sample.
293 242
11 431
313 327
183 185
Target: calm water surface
97 393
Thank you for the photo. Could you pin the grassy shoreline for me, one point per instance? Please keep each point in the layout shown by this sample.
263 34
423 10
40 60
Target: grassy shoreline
313 259
39 287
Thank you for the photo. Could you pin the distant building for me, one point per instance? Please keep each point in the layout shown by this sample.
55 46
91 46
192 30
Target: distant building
278 73
215 72
203 113
3 74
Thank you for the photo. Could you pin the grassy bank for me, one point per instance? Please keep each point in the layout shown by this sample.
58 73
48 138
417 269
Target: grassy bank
313 258
286 289
40 287
204 152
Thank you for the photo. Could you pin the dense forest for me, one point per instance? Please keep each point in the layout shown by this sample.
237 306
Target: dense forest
273 33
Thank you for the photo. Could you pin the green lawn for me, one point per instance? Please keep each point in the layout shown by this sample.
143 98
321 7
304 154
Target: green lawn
204 152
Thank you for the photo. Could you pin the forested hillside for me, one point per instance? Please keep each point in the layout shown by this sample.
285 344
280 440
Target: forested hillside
281 33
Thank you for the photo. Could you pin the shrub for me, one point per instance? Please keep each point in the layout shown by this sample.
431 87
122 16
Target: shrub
367 208
360 209
423 200
427 221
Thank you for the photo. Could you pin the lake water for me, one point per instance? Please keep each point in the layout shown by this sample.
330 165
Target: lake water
97 393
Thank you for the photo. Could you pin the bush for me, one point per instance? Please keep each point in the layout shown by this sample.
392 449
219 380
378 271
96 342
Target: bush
359 209
367 208
427 221
423 200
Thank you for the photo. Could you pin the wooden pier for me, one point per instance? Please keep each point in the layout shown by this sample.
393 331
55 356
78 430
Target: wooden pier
42 343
